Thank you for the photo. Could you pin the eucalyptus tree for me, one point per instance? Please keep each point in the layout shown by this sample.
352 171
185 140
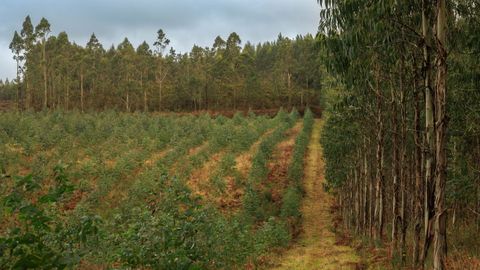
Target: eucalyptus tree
58 73
160 44
440 226
126 68
219 68
144 64
464 111
28 37
94 53
232 59
41 33
382 38
247 70
80 56
360 63
17 46
284 65
61 66
198 79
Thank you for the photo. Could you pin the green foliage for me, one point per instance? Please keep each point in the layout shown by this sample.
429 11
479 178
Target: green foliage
292 197
39 239
257 203
291 202
228 75
295 171
176 232
124 210
339 140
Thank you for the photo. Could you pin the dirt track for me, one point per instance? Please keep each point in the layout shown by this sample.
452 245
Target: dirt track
317 247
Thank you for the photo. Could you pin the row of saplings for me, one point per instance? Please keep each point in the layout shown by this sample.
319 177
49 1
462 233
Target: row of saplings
169 229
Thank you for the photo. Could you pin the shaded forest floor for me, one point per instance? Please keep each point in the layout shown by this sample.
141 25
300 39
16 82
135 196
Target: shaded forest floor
317 247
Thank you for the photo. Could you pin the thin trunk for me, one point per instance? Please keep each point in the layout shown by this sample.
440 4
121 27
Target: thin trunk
403 167
356 198
379 190
52 93
17 101
302 92
418 178
365 188
379 182
160 97
395 173
429 134
127 103
67 95
44 65
234 98
289 86
440 239
145 99
160 93
371 207
27 93
81 90
206 95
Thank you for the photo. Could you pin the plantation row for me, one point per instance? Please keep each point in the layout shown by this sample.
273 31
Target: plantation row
136 190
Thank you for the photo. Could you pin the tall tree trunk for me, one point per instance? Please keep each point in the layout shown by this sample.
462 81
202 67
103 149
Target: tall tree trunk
289 86
366 180
234 98
371 207
53 92
127 103
67 95
81 90
206 95
28 101
429 133
440 236
418 178
395 173
160 97
356 197
44 65
379 190
403 166
302 92
379 180
17 97
145 98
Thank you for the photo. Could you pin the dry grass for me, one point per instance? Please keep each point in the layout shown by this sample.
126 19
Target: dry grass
119 192
195 150
198 180
156 157
278 166
317 247
244 161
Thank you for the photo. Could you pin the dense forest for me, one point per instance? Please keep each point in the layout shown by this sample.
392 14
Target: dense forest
55 73
402 135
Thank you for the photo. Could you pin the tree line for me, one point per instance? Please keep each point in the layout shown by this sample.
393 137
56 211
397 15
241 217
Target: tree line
392 126
55 73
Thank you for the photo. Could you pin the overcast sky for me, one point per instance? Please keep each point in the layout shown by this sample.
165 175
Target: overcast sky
186 22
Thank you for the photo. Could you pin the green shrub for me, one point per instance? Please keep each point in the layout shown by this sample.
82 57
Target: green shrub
40 239
291 202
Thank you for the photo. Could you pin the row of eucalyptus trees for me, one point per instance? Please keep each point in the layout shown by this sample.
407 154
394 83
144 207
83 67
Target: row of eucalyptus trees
56 73
386 138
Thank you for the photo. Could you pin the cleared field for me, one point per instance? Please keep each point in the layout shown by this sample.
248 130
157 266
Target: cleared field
148 191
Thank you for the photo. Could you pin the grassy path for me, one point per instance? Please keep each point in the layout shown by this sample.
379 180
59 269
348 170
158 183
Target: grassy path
317 247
